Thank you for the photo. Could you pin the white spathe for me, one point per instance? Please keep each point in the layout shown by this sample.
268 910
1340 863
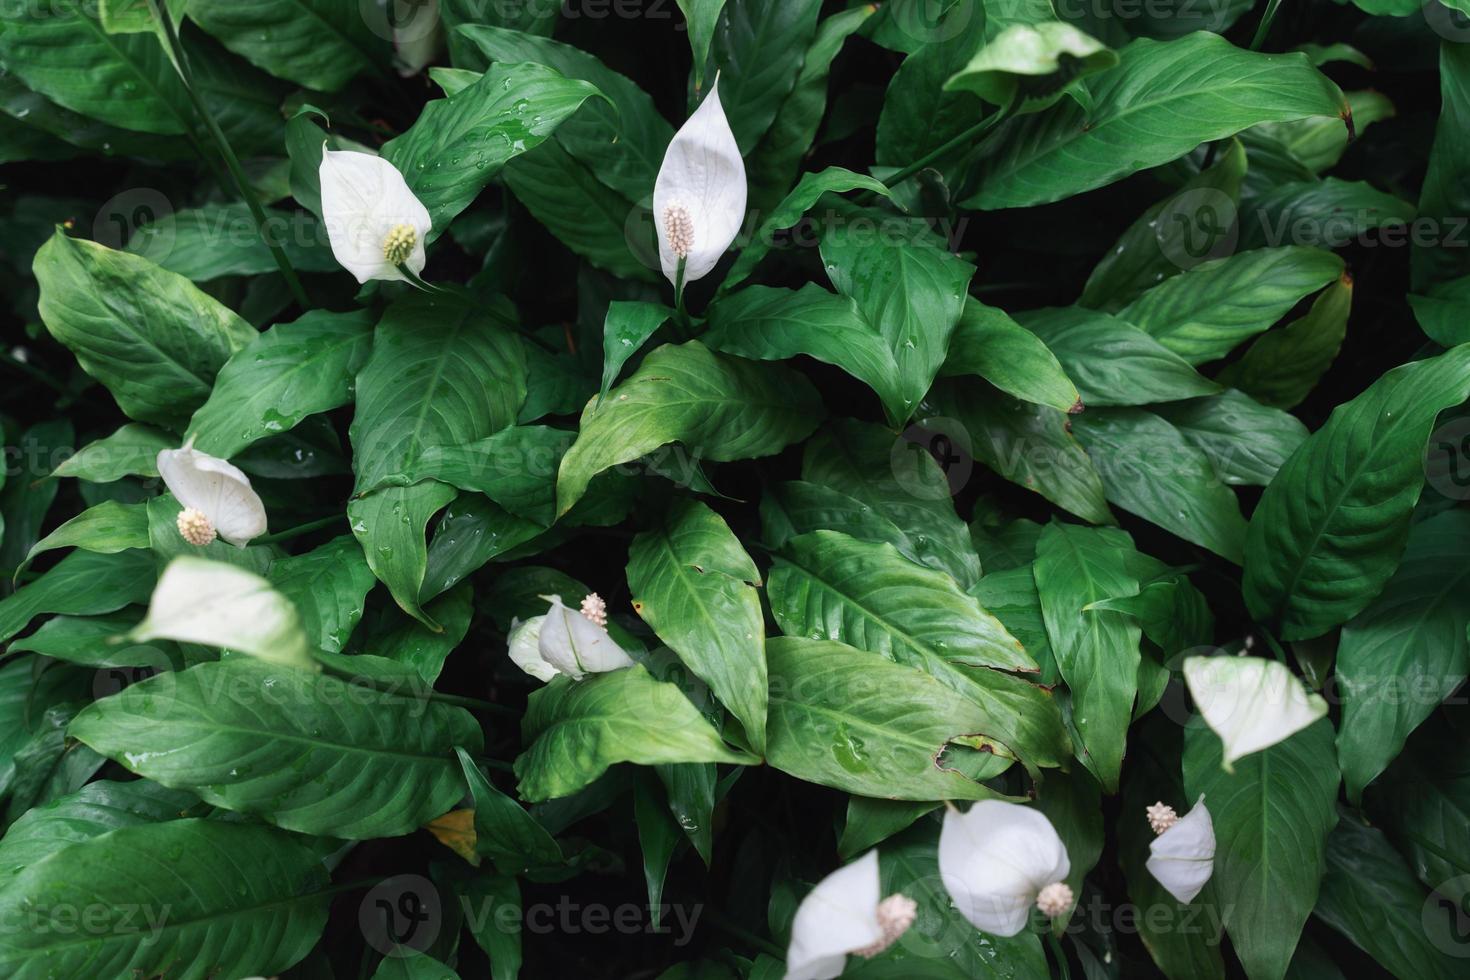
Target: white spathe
837 917
996 859
370 212
699 196
220 605
1250 702
564 641
1182 858
216 489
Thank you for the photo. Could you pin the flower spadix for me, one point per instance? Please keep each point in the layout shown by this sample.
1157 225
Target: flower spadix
1250 702
699 196
1182 857
375 223
216 496
566 641
1000 859
845 914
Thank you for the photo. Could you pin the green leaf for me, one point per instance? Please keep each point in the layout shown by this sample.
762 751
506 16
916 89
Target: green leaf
1031 64
1172 613
1443 196
442 373
1246 442
235 898
721 408
894 483
94 641
149 335
504 831
318 44
130 451
459 144
515 467
1030 445
694 584
700 17
918 114
1283 366
1152 470
768 324
1271 818
304 751
328 586
167 543
81 584
910 290
1114 362
988 343
472 531
1330 528
289 372
1161 101
758 49
413 645
1328 213
1370 896
1177 233
577 729
390 524
106 529
858 722
500 938
658 836
1204 313
1096 651
1406 651
691 791
625 330
1442 312
796 507
217 240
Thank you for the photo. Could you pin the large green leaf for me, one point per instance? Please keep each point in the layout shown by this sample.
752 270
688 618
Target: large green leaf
1443 196
577 729
1030 445
460 143
758 50
319 44
328 585
1246 442
217 240
1282 366
693 583
1370 896
1112 361
390 525
721 408
856 721
1204 313
991 345
304 751
1161 101
442 373
181 898
910 289
289 372
919 113
1423 803
1406 651
1097 651
106 529
1271 817
504 831
1151 469
1330 528
895 485
770 324
149 335
130 451
81 584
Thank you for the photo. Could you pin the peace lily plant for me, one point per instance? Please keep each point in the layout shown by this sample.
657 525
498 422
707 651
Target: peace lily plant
376 225
216 496
574 642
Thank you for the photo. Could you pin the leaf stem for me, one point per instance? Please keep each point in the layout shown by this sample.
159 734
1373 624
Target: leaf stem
1061 955
1264 27
979 129
300 529
232 163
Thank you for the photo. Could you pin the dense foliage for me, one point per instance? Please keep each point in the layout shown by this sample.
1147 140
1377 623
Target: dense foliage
677 451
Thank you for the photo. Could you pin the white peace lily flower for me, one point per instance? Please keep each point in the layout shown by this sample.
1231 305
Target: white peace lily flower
1000 859
216 497
699 196
565 641
217 604
1182 857
375 223
843 915
1250 702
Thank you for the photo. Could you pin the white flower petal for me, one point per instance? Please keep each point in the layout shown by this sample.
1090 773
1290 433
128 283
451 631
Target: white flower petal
219 605
574 645
525 648
702 173
995 859
838 916
1250 702
364 197
1183 857
217 490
